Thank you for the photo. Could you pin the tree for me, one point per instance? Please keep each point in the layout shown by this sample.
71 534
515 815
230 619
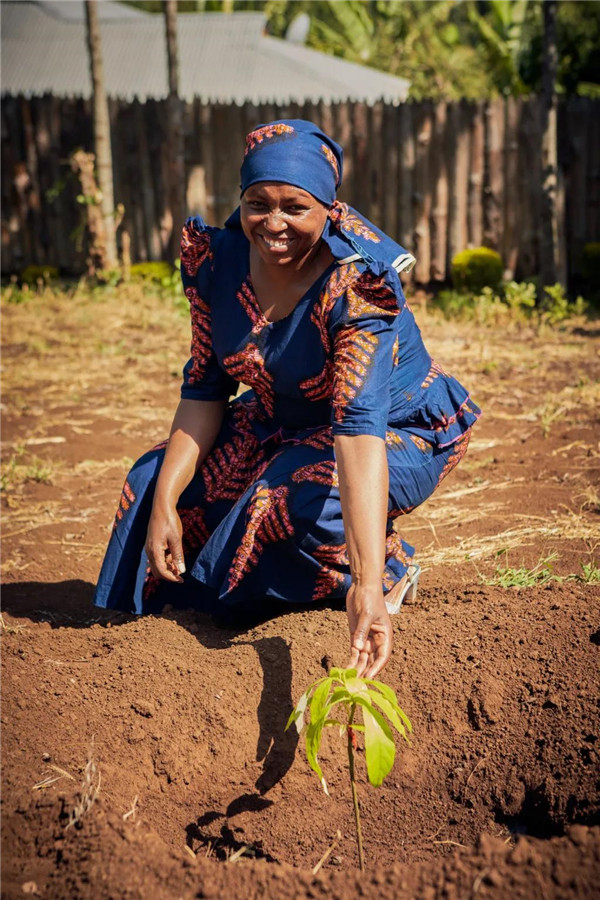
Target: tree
550 257
177 180
102 146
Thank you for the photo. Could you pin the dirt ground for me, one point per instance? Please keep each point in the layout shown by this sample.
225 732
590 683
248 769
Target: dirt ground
139 755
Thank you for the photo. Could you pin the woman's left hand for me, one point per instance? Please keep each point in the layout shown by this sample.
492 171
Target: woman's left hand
371 635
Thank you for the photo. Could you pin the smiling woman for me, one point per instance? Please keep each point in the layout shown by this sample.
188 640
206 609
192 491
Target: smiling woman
287 495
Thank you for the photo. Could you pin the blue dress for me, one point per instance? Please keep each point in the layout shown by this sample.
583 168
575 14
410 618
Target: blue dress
262 522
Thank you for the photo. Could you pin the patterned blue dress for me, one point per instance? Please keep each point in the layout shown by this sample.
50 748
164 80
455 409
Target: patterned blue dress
262 522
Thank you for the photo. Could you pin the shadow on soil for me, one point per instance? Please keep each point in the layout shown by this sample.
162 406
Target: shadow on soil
68 604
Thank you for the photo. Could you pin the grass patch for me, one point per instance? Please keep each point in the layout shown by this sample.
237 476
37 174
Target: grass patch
16 473
521 577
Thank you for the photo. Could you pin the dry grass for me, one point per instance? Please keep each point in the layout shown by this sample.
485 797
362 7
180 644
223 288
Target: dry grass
55 774
89 790
565 527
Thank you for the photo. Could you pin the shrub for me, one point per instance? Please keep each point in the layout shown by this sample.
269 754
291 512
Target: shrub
152 271
591 264
472 270
33 274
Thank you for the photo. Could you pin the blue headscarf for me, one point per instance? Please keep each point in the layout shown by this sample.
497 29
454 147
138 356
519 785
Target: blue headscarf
296 152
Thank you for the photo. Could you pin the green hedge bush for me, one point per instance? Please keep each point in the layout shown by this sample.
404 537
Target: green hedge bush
32 274
472 270
152 271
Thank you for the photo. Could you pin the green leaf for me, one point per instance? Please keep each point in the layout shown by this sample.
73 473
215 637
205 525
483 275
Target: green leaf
313 742
297 714
340 674
389 694
318 703
391 710
380 749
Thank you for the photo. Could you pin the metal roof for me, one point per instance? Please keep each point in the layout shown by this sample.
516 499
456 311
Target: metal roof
222 58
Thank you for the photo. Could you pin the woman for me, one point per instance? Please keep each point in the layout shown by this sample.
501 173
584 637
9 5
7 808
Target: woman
288 494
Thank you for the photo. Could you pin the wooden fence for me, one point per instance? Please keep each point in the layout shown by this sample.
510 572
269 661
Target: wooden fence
437 177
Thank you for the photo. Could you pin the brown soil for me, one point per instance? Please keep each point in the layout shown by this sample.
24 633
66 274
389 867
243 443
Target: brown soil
497 795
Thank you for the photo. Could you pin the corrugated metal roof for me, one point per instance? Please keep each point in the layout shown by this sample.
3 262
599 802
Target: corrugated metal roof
222 58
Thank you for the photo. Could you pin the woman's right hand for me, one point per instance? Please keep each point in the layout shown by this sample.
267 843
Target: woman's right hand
163 545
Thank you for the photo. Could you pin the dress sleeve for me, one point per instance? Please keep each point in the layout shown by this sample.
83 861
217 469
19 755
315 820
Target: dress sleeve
364 328
203 378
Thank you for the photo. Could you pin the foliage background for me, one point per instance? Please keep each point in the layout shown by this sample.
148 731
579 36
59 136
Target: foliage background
448 49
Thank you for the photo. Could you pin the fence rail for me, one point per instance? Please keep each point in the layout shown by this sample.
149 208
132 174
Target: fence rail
437 177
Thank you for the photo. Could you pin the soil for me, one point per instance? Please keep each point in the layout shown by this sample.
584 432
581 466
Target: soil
147 758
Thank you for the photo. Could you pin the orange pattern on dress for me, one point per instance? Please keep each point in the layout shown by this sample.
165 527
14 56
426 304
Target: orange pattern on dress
268 522
369 296
345 220
125 501
395 349
248 366
332 161
249 303
421 444
195 531
320 440
393 440
244 414
195 247
354 352
329 579
201 335
264 134
228 470
394 513
332 554
459 448
320 386
318 473
433 373
395 550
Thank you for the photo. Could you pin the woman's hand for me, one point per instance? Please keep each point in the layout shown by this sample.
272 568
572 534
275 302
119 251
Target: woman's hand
163 545
193 433
371 635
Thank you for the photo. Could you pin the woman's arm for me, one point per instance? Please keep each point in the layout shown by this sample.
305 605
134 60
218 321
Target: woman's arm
363 477
194 430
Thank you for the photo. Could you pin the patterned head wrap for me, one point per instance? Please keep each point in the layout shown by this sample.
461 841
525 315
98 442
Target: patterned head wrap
296 152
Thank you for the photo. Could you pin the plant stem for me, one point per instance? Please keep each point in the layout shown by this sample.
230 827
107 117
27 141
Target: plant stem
349 733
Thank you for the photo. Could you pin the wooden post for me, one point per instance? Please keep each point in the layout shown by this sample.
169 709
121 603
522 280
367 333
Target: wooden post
439 178
360 152
458 140
176 169
551 266
389 170
344 137
493 183
476 172
375 159
406 220
101 134
422 195
510 241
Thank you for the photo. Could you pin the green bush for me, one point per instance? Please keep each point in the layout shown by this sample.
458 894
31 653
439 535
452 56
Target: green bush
591 264
33 274
472 270
152 271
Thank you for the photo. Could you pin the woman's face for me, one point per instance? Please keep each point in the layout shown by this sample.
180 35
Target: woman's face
283 222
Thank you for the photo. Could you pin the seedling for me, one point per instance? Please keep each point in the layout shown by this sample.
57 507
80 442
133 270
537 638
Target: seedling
377 702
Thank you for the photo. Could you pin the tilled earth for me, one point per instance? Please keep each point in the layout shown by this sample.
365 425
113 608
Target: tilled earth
140 755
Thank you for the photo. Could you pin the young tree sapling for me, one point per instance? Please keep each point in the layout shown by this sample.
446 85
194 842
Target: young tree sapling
378 704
